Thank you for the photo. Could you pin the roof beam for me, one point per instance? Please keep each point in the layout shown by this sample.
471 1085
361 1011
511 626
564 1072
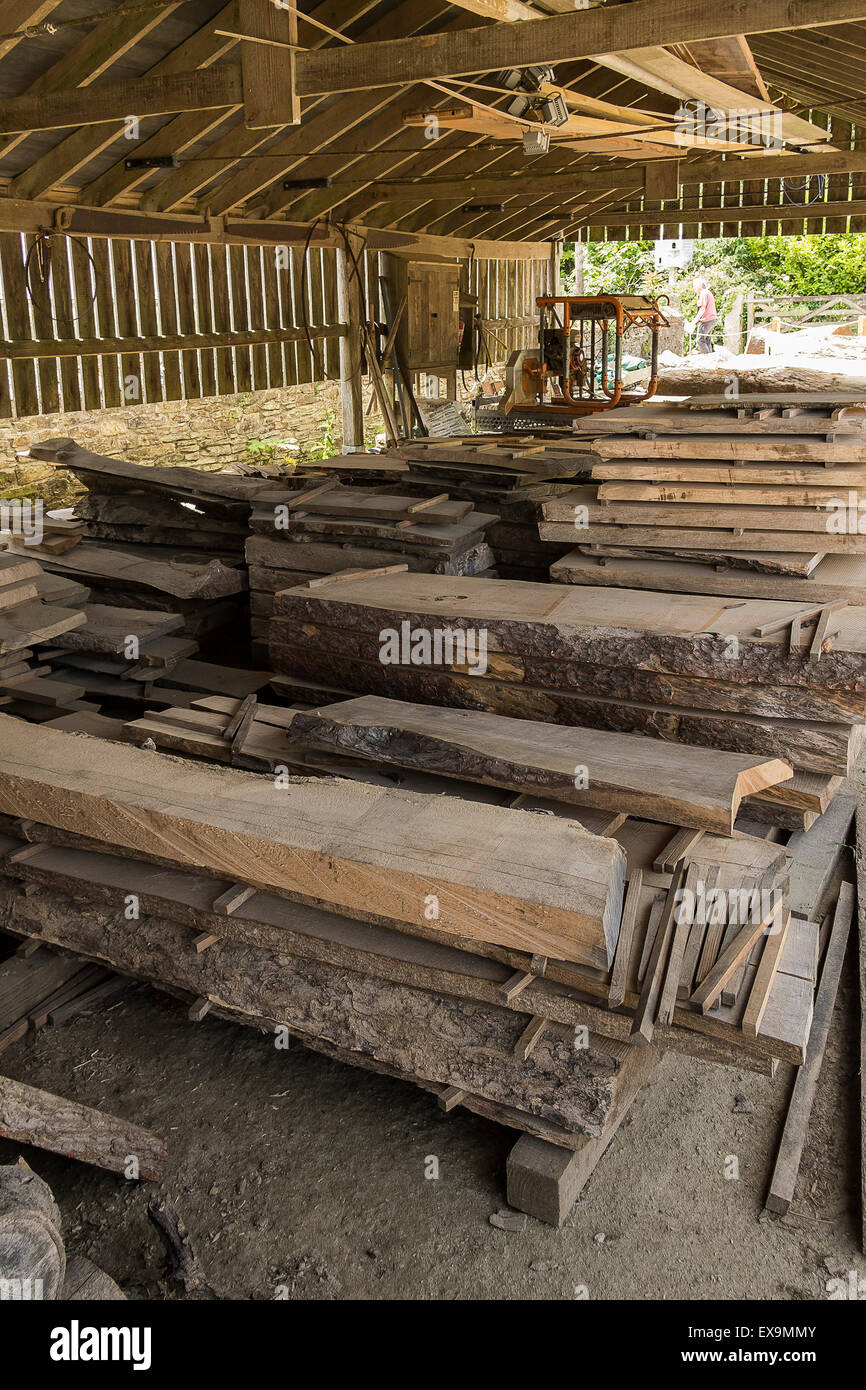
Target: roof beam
766 212
115 101
569 184
562 37
22 14
21 215
105 45
58 165
187 131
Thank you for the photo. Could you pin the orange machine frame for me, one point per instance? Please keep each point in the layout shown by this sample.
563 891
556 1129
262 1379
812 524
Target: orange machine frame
593 313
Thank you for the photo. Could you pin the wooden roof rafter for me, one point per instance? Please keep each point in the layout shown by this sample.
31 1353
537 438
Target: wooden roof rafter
352 133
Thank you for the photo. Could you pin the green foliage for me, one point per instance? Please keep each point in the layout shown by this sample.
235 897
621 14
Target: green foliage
288 453
283 452
324 445
781 265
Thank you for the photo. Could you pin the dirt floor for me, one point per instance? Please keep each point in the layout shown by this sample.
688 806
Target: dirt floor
298 1177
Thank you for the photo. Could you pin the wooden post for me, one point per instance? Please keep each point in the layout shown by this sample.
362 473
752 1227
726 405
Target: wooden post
554 267
579 287
268 65
350 269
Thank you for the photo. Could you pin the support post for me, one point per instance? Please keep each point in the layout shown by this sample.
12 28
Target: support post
350 266
579 286
554 268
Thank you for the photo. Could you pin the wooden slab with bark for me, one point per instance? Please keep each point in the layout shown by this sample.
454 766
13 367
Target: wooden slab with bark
618 772
375 854
31 1116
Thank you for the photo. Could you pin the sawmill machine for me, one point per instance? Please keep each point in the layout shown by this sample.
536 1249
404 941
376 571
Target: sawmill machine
594 352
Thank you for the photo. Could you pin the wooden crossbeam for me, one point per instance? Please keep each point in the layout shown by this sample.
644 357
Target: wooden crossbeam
115 101
559 38
763 212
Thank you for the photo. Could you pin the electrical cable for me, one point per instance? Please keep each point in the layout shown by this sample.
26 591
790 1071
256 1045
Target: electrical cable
39 254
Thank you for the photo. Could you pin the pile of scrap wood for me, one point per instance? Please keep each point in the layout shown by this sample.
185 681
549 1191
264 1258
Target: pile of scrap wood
509 475
562 827
320 529
35 608
166 539
750 496
58 532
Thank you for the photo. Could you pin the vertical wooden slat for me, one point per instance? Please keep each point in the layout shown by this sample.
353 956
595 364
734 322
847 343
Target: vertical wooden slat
39 298
838 184
168 316
858 184
23 373
257 314
305 365
241 316
86 321
192 273
331 346
148 322
272 313
109 364
221 318
65 322
287 319
123 284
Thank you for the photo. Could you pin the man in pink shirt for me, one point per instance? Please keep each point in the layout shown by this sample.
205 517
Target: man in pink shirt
706 315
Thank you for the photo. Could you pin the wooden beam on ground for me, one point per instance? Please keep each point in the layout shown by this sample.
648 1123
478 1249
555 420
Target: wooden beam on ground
560 38
32 1116
793 1141
545 1180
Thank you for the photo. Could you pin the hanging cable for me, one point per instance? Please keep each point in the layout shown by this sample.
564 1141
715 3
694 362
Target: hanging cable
37 265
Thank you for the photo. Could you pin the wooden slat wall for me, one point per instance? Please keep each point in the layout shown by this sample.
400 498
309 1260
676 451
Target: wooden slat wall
755 193
507 291
145 291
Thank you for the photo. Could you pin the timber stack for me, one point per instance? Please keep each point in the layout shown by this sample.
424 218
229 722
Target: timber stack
507 840
509 475
690 669
753 497
165 539
315 530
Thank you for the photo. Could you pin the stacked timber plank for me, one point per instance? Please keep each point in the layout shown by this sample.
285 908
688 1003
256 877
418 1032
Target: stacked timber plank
322 928
325 527
35 609
279 867
508 475
59 532
750 497
166 539
686 668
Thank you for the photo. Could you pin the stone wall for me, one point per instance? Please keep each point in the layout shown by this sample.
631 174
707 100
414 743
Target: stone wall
216 430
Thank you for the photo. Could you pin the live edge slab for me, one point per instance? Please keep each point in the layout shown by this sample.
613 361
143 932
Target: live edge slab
473 872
